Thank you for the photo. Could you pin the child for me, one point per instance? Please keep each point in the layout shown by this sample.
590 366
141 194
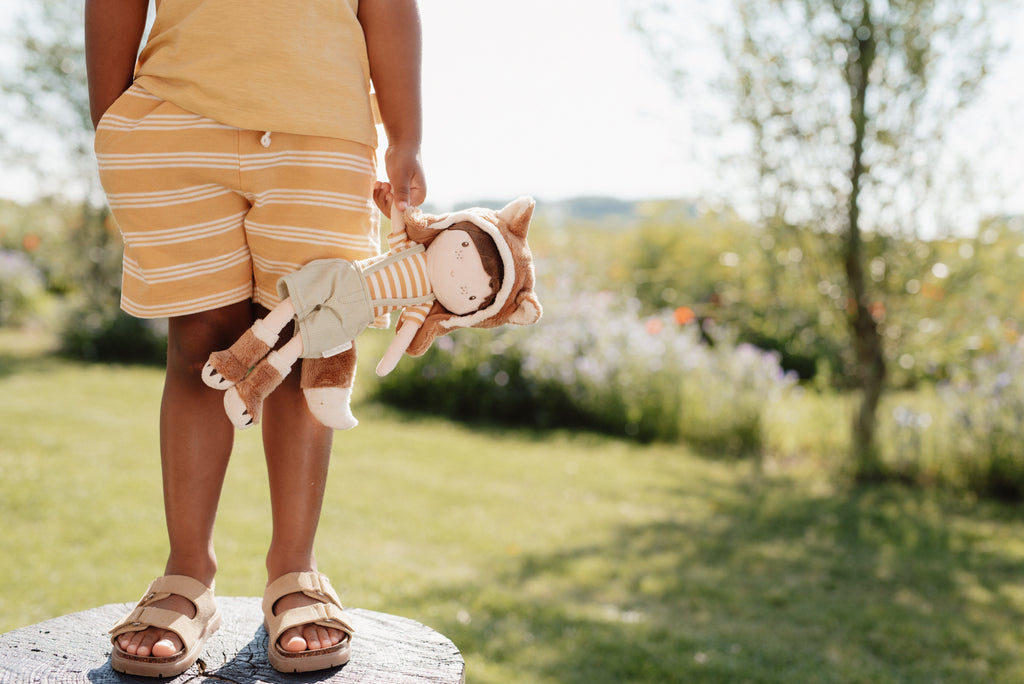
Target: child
238 146
469 268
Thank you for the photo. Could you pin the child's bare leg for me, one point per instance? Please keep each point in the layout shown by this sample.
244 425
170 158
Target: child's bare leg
195 444
298 450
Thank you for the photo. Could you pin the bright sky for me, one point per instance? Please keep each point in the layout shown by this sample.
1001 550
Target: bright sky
552 99
560 99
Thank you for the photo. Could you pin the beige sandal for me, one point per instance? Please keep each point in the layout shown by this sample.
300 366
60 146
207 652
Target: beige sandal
193 632
328 613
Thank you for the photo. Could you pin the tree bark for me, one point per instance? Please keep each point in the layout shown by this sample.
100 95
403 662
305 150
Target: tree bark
870 360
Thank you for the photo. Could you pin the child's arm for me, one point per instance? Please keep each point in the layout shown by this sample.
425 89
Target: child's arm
113 31
393 44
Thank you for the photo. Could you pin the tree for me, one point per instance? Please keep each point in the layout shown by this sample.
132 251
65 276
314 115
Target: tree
49 101
845 106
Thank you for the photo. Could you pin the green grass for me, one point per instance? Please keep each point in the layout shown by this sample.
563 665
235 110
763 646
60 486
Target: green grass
546 557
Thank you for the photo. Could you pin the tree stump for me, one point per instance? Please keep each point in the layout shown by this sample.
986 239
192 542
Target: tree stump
386 649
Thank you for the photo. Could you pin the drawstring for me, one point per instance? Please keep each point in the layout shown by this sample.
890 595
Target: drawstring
265 140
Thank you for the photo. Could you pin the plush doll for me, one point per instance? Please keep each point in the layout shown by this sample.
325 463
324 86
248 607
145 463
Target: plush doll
470 268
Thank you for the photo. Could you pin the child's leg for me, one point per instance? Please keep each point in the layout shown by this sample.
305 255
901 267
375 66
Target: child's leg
298 450
317 207
195 444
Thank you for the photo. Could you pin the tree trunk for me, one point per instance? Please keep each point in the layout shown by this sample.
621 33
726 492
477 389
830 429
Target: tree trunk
870 369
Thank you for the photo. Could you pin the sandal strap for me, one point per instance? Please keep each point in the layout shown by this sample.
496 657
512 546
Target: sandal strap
328 613
323 614
145 615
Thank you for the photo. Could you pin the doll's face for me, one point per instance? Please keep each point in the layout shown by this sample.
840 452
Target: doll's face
456 274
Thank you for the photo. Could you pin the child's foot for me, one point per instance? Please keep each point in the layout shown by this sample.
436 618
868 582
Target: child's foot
155 642
305 637
166 631
306 625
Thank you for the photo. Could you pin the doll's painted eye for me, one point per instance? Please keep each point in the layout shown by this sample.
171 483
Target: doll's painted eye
465 244
472 298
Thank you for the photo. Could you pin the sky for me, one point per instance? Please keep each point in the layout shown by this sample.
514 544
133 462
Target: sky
553 99
562 98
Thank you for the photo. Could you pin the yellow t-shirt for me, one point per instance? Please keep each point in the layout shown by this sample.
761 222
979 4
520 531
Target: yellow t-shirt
293 67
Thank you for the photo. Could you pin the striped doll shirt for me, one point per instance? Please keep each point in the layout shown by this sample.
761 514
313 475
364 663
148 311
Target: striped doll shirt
400 281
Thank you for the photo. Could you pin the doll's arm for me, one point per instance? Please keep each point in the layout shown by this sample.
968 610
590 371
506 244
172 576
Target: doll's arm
403 338
411 320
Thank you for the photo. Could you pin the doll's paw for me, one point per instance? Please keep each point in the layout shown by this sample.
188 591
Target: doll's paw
331 406
238 412
213 378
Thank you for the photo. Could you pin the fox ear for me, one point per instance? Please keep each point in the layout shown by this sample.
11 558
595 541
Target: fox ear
518 211
528 312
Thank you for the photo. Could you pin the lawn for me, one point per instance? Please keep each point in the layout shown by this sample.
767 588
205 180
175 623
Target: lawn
547 557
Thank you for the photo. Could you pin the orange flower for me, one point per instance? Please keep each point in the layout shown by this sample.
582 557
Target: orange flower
31 242
653 326
684 315
933 292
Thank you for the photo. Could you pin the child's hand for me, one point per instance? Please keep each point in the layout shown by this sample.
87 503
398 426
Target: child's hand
405 174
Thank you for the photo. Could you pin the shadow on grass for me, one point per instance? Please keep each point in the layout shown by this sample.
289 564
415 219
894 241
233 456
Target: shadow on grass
877 585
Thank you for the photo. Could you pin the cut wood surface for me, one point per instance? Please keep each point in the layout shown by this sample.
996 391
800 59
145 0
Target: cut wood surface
386 649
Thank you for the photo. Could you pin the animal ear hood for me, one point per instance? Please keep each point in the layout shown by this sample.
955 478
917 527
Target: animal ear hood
515 302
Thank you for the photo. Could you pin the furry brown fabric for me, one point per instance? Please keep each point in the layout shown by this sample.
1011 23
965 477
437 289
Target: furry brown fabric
521 307
234 362
334 371
263 380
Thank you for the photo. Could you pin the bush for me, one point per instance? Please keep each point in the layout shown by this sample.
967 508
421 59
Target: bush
21 287
113 337
986 407
595 362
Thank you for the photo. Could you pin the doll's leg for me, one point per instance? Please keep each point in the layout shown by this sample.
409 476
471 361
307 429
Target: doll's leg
226 368
244 402
327 385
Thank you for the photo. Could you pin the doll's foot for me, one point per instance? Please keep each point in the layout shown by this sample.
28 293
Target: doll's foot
228 367
243 403
331 406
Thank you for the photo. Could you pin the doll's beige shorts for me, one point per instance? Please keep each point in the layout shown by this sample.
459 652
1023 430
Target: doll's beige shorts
213 215
332 305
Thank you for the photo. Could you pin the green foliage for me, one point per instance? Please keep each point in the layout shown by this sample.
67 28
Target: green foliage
596 362
94 327
21 288
547 557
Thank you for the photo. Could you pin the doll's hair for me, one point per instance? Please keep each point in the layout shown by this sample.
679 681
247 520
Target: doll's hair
489 257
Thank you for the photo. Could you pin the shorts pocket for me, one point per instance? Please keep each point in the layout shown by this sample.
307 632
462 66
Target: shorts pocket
121 117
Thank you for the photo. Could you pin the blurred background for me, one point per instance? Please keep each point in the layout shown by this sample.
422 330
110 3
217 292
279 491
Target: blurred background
780 247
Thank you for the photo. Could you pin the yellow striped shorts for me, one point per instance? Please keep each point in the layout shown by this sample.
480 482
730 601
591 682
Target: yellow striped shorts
213 215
